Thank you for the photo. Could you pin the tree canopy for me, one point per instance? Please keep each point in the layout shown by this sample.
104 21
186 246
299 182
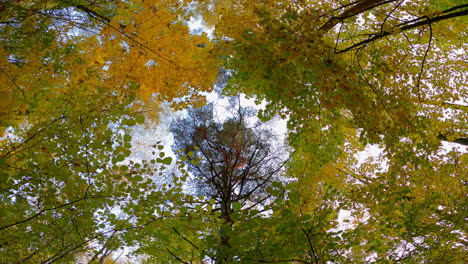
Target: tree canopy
76 76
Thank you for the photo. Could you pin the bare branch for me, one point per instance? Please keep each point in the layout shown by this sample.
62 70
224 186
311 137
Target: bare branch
361 6
418 83
401 28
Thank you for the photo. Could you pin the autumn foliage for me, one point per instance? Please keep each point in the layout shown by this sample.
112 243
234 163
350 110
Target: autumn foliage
373 92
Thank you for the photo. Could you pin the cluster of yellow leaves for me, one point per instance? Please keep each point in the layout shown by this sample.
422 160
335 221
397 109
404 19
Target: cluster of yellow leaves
150 45
230 17
145 45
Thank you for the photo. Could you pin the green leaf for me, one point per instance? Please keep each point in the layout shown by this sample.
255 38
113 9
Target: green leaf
165 161
253 212
128 122
140 119
127 138
3 163
127 152
138 178
236 206
120 157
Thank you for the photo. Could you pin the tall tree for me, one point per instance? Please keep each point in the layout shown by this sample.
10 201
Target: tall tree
232 162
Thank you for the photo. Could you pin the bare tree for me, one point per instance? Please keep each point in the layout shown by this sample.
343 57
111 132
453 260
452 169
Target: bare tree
231 162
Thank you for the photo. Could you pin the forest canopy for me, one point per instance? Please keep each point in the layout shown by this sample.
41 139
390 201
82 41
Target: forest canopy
79 77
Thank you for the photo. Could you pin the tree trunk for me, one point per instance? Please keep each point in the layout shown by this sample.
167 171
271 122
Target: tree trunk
225 250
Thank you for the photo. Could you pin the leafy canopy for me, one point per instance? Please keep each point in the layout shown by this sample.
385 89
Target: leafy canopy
77 76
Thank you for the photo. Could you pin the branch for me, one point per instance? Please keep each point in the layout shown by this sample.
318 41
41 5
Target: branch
176 257
455 8
104 248
184 238
12 150
361 6
461 140
418 84
278 260
426 21
310 245
455 106
105 20
79 245
49 209
94 14
86 141
14 83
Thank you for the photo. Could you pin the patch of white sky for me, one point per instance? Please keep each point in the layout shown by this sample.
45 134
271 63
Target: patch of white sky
198 27
371 153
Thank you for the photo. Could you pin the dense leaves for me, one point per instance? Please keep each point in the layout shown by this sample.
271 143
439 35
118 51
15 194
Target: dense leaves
386 70
374 96
75 75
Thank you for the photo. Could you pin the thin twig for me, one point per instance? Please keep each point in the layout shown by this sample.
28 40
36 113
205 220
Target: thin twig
176 257
184 238
418 83
404 28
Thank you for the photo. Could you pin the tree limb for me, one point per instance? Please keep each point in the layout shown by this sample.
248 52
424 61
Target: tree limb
176 257
401 28
460 140
361 6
